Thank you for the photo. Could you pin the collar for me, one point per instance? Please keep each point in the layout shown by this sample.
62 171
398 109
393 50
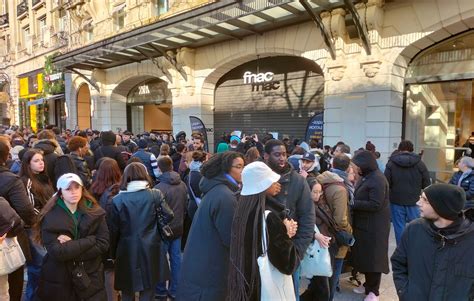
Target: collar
232 180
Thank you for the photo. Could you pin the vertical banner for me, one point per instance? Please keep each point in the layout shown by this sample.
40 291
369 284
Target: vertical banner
315 128
197 126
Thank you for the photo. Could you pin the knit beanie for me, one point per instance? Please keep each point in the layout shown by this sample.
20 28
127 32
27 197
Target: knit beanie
446 199
222 147
142 144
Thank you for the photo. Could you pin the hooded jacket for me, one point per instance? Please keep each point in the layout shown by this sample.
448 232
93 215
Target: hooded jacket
176 195
467 184
371 217
407 175
51 151
430 266
337 198
205 263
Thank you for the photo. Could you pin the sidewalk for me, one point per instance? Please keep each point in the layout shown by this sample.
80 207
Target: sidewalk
387 288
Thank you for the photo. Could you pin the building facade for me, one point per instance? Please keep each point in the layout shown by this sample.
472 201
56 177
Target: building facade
379 70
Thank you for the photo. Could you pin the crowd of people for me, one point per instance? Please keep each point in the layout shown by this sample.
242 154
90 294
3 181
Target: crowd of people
106 215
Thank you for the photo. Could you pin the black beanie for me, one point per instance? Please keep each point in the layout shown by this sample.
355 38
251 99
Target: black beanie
446 199
108 138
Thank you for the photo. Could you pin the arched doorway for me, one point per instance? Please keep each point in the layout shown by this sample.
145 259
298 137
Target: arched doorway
149 107
277 94
84 107
439 106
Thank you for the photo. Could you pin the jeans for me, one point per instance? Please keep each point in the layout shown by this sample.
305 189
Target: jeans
33 267
174 251
402 215
296 282
337 270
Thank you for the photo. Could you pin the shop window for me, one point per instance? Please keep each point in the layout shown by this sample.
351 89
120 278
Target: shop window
439 109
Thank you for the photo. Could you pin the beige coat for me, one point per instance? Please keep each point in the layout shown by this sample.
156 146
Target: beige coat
337 199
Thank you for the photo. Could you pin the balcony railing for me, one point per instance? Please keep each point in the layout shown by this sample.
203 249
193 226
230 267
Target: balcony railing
4 20
21 8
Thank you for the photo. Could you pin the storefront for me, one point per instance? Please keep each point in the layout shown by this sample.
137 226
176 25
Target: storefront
277 94
439 108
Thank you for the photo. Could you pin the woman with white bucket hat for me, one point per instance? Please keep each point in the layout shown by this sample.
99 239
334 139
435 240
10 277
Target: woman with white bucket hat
260 229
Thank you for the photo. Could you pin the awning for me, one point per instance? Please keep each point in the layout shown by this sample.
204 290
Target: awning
118 7
208 24
42 100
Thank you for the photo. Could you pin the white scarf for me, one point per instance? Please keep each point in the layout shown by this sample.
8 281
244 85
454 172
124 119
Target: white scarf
135 186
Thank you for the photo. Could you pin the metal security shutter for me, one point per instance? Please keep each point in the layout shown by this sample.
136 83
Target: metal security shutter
285 110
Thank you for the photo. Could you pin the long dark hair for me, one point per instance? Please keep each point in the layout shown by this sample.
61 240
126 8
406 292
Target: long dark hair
219 163
107 175
249 213
87 204
41 189
135 172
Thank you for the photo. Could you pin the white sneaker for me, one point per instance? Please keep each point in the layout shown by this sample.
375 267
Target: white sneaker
359 290
371 297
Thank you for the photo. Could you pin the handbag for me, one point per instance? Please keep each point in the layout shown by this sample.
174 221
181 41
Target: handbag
317 260
81 281
164 215
275 286
12 257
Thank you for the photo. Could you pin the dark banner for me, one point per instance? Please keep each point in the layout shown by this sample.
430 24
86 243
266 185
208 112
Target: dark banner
197 126
315 128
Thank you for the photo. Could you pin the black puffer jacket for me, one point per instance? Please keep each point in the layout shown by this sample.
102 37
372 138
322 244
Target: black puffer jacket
371 217
50 155
435 264
407 175
467 184
82 168
176 195
91 243
110 151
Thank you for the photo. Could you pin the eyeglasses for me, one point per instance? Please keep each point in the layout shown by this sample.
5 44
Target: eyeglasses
238 166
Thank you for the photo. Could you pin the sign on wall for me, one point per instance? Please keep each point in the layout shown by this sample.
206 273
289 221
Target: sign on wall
261 81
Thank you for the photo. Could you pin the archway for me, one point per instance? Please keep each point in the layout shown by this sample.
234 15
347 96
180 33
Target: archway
439 104
84 107
277 94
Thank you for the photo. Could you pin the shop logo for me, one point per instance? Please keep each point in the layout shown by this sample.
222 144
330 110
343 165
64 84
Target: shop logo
143 90
261 81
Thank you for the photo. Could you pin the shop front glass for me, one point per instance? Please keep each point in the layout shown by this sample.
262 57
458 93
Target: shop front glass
439 114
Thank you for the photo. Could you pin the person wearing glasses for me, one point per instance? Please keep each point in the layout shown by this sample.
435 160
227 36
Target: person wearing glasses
433 260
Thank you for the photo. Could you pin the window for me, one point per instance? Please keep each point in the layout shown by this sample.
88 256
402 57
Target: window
161 6
118 13
42 28
62 20
25 37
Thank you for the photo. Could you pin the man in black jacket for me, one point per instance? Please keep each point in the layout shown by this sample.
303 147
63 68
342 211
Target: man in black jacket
176 195
295 195
407 175
434 258
109 149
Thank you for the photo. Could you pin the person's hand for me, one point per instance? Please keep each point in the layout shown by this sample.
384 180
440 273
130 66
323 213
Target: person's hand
304 173
244 139
291 227
63 238
2 238
322 240
255 137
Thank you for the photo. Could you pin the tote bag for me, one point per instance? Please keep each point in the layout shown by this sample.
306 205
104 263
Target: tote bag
11 256
275 286
317 261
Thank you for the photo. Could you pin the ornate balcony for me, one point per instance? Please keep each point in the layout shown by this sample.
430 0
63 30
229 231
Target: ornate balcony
4 20
22 8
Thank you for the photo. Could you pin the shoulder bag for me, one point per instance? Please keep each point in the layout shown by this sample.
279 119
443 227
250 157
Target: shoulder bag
317 260
164 215
275 286
12 257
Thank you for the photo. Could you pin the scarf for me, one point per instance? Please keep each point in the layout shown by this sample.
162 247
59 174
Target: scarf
463 176
135 186
195 166
349 186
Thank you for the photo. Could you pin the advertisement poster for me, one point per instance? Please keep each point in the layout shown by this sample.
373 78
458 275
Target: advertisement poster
315 128
197 126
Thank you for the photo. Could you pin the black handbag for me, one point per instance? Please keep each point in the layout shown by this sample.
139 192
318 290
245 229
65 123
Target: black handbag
80 280
164 215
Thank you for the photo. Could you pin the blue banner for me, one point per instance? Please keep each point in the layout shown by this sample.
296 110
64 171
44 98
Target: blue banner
315 128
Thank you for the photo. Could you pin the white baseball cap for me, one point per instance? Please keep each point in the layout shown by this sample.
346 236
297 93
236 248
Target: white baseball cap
65 180
257 177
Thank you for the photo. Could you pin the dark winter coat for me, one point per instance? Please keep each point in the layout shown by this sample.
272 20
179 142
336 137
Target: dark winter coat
110 151
407 175
82 168
135 241
371 217
296 197
467 184
429 265
49 154
192 180
206 257
176 195
88 246
13 190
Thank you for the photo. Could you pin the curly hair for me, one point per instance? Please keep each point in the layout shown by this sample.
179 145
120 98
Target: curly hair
219 164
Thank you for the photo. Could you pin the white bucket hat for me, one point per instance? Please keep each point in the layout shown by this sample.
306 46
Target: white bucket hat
65 180
257 177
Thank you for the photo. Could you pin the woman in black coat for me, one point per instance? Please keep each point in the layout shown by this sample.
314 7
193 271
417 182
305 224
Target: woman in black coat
73 230
371 223
206 257
140 260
